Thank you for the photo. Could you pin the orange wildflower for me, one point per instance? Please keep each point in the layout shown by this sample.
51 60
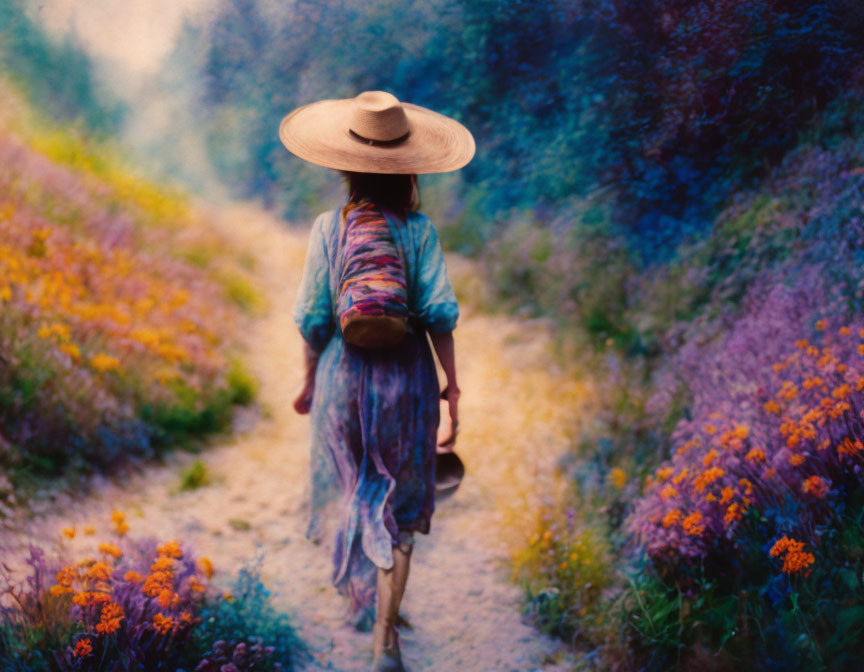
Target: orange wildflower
841 392
69 532
709 457
838 409
771 406
109 622
195 585
110 549
747 485
795 560
161 564
741 431
133 577
693 524
205 566
821 324
162 623
168 598
156 583
810 383
726 495
710 429
816 486
680 477
849 447
788 391
796 460
706 478
56 591
785 544
83 647
99 571
119 520
170 549
668 492
844 331
663 473
755 455
733 513
796 563
87 598
672 518
66 576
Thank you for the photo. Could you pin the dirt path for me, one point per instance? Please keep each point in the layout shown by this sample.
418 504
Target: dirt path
464 610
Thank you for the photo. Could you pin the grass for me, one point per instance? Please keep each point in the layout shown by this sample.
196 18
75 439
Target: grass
194 476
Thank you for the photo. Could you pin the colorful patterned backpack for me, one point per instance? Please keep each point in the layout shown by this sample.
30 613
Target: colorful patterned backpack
372 301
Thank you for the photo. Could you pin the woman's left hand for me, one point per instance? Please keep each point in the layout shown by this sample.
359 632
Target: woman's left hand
451 394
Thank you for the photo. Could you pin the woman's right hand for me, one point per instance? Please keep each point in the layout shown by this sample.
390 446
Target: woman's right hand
303 401
451 394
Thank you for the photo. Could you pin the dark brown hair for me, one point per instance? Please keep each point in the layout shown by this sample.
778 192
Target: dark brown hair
398 193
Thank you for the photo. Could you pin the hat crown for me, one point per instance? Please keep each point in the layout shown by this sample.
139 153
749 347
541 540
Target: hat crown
378 116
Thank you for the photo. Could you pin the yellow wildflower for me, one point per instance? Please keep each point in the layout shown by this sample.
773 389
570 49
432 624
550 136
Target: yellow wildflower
102 362
205 566
618 477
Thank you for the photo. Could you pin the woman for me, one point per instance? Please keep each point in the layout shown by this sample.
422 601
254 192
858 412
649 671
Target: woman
375 411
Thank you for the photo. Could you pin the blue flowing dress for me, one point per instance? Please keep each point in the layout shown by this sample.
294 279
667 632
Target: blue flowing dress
375 413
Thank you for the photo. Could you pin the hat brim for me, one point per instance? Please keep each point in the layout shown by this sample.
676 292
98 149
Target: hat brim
319 133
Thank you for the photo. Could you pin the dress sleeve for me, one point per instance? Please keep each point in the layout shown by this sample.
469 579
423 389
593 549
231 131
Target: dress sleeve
435 302
313 308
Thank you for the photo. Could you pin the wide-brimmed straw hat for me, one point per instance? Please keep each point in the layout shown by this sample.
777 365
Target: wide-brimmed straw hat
375 133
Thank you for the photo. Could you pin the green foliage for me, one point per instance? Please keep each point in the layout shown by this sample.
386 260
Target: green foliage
753 615
249 612
57 77
240 291
194 476
186 415
565 571
242 385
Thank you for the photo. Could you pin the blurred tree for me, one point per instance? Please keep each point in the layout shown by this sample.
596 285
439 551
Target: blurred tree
57 77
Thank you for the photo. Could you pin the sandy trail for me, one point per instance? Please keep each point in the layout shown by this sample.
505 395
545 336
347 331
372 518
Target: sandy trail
464 609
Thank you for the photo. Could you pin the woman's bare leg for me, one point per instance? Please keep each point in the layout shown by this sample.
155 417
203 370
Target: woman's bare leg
391 589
